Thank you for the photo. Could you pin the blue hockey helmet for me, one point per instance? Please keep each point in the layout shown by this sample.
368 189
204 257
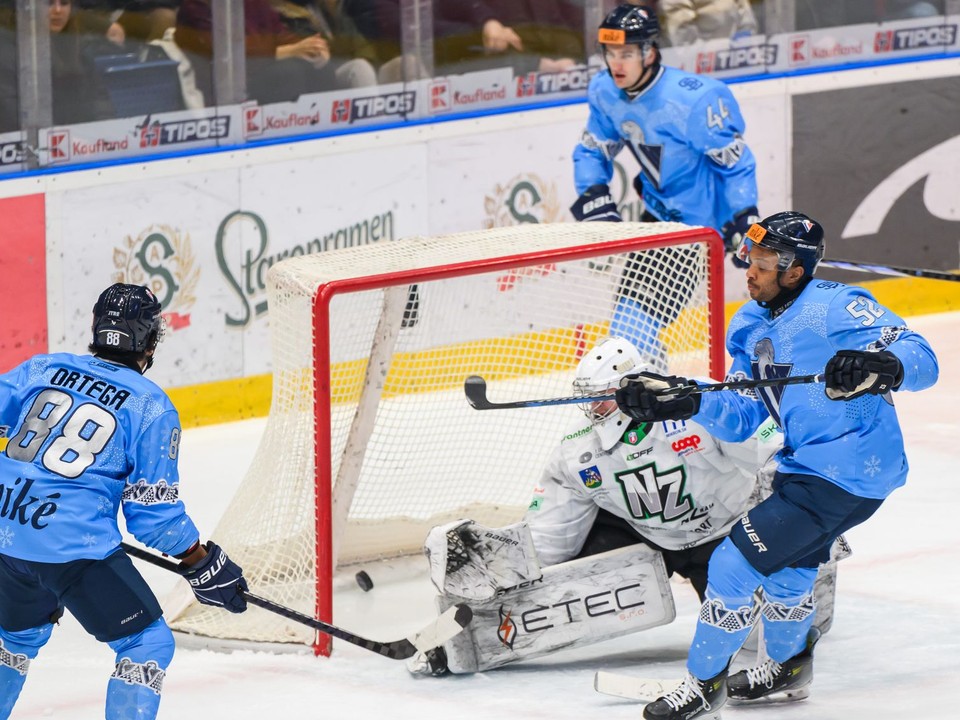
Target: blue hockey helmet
127 318
792 235
630 25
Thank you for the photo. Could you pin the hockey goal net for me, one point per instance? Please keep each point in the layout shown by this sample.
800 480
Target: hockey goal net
370 441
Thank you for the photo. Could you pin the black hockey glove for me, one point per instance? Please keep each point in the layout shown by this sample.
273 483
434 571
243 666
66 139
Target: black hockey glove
217 580
636 398
596 203
852 373
734 232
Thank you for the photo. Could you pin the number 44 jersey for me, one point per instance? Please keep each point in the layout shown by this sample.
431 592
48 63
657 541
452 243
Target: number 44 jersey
81 439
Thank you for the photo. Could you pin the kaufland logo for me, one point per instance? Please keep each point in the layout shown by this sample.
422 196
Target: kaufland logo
374 106
156 133
755 56
58 143
440 96
256 122
253 121
915 38
800 50
546 83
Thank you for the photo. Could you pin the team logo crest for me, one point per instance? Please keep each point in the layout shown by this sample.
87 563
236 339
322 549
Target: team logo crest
591 477
161 258
525 198
765 368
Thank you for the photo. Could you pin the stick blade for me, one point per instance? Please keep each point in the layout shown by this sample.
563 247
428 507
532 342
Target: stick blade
448 625
475 388
632 688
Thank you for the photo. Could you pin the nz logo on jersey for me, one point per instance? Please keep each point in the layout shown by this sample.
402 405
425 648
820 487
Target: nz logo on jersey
650 493
765 368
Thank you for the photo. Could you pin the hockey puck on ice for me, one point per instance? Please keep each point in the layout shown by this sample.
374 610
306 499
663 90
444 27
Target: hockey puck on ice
364 581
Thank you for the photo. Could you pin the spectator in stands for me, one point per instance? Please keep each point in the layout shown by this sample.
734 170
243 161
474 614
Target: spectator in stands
528 35
686 21
150 28
280 65
813 14
75 41
351 57
380 23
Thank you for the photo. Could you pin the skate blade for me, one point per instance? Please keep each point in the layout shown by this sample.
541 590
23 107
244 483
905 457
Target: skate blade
784 696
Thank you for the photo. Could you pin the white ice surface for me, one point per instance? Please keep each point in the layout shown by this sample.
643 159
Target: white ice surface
893 652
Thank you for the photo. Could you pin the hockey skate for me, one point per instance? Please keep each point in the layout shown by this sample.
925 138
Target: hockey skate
771 681
693 699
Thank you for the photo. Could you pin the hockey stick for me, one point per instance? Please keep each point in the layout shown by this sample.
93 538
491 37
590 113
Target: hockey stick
632 688
475 388
889 270
433 635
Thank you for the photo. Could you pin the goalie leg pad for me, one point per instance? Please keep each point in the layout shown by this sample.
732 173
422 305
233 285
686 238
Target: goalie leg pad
472 562
572 605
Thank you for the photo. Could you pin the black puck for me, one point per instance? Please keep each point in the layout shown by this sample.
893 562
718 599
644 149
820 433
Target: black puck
364 581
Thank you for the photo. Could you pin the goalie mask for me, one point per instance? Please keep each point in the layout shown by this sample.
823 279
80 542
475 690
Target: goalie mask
601 369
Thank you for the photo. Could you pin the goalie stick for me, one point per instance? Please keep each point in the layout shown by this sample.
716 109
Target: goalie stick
475 388
632 688
442 629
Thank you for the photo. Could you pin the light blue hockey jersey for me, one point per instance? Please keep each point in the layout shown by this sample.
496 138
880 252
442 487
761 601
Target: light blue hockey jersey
856 444
687 133
85 438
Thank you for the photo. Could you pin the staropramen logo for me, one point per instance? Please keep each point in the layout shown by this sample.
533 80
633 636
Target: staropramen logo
525 198
161 257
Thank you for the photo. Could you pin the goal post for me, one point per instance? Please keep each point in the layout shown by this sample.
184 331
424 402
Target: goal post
370 441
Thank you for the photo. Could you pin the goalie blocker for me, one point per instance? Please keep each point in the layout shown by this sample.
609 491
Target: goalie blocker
568 605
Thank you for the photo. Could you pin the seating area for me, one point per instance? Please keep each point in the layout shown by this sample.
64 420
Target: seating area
140 88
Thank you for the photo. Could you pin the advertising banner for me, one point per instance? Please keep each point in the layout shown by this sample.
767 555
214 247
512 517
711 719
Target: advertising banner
12 153
23 291
204 242
879 167
145 135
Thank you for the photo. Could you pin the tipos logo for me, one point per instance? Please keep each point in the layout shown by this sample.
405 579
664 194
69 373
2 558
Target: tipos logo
161 258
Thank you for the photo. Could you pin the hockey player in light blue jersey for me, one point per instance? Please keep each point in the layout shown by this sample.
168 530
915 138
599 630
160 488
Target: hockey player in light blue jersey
686 131
82 438
843 455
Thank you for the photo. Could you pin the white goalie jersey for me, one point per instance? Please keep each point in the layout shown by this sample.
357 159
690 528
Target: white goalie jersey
676 484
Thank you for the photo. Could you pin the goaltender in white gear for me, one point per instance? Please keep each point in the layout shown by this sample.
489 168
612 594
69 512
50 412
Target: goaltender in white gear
619 508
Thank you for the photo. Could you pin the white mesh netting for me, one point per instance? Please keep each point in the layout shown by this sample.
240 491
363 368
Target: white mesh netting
404 451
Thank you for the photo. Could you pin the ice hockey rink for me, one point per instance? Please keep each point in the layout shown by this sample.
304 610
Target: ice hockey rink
893 651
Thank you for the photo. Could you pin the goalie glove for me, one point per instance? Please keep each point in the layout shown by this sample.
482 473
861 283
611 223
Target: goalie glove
596 203
734 231
852 373
636 398
473 562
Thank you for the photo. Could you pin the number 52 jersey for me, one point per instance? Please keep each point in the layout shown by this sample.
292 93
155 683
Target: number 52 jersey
83 438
